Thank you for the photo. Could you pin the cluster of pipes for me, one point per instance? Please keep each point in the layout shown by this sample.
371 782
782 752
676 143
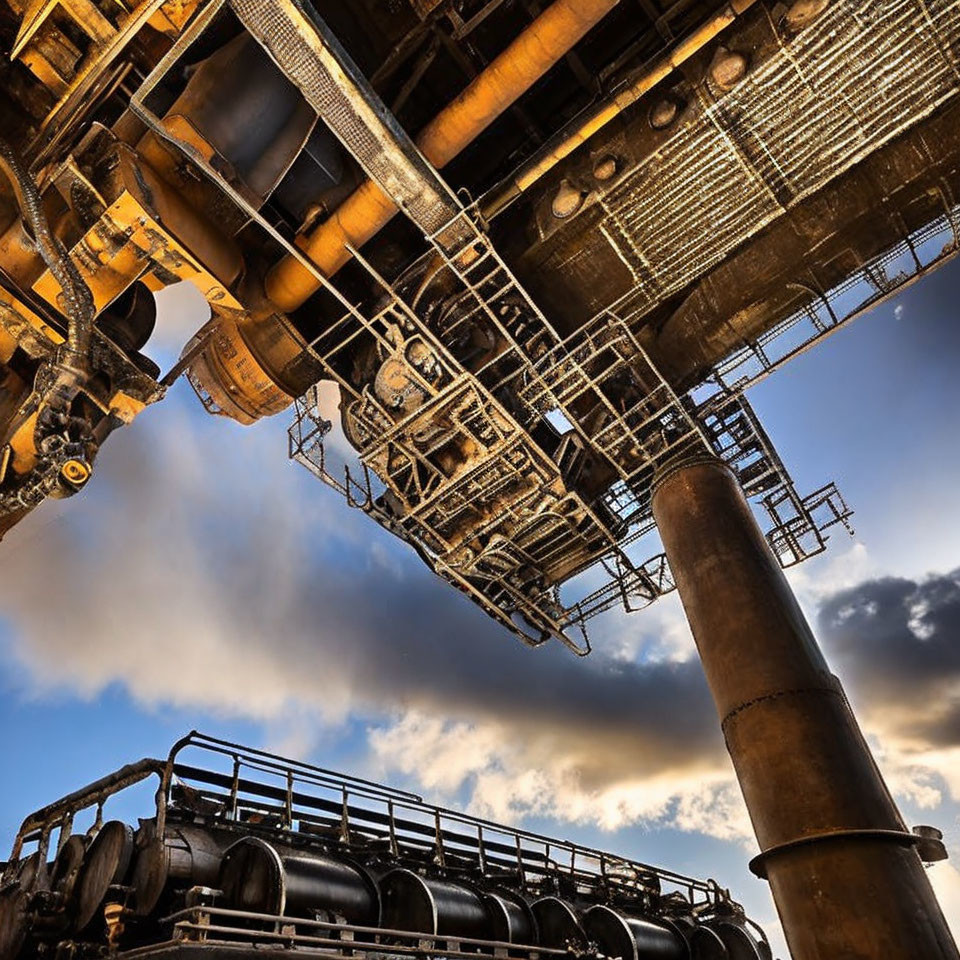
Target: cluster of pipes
114 889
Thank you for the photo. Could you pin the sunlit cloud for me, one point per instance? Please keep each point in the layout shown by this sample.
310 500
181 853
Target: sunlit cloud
274 602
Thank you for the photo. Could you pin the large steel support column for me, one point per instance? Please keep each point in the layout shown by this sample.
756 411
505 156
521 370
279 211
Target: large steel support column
847 881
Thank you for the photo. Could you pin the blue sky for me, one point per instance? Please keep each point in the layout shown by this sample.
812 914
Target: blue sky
202 581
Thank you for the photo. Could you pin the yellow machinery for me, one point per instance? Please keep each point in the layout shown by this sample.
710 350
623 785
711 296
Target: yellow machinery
627 214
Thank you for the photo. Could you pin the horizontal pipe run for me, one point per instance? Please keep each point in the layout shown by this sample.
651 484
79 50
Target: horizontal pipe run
500 197
362 215
529 57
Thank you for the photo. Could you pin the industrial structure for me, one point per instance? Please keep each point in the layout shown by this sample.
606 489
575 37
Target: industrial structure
542 353
250 855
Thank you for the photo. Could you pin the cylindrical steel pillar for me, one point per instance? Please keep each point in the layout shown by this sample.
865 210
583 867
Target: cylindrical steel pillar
846 878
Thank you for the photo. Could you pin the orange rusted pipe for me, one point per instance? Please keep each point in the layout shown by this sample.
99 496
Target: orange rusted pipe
601 115
552 35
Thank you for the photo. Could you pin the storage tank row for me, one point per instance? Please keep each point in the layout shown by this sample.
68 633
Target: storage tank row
150 876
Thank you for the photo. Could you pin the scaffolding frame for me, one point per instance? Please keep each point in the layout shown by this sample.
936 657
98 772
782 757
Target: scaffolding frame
447 457
239 792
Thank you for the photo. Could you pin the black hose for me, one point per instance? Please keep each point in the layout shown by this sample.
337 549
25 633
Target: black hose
80 307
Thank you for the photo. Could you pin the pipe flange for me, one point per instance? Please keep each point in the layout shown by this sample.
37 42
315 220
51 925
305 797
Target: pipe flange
758 863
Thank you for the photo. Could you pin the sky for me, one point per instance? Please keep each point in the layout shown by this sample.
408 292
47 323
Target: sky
203 581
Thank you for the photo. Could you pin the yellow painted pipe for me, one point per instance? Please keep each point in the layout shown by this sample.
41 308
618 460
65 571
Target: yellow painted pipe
541 45
601 115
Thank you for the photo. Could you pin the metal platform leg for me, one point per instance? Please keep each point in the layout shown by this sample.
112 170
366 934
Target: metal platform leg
845 875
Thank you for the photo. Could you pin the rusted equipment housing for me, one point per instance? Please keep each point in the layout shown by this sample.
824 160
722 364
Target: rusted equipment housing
250 855
508 374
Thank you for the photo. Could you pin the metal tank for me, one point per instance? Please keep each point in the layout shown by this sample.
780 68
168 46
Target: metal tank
185 856
260 877
270 855
511 917
429 905
106 863
632 939
558 924
739 943
705 944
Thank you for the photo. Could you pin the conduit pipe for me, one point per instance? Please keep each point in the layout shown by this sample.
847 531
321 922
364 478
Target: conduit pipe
599 116
363 214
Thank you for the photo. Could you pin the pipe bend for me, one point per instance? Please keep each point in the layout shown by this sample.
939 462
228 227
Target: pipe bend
80 308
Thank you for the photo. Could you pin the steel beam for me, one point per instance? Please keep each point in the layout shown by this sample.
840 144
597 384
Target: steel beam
366 211
843 869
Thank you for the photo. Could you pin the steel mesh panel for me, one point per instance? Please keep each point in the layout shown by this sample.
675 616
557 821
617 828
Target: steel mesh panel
859 76
864 78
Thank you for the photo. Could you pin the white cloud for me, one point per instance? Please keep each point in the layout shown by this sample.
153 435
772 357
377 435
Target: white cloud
659 633
842 567
945 879
508 774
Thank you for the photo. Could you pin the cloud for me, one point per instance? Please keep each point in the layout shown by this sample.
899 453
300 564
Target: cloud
945 879
511 771
844 566
896 642
201 569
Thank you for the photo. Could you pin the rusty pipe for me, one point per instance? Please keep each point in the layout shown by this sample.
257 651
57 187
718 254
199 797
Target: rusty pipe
842 867
538 48
599 116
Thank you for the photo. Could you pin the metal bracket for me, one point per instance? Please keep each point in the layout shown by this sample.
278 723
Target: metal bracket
309 54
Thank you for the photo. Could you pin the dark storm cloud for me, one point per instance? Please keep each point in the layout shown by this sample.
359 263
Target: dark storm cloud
201 568
897 644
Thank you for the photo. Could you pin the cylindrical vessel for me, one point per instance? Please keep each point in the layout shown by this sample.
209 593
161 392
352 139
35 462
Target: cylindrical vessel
558 924
511 917
67 866
632 939
705 944
14 922
106 862
186 856
739 943
844 874
426 905
29 871
259 877
64 876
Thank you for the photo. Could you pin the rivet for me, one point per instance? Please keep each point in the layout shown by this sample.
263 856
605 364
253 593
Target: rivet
567 201
728 68
802 13
605 167
663 113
